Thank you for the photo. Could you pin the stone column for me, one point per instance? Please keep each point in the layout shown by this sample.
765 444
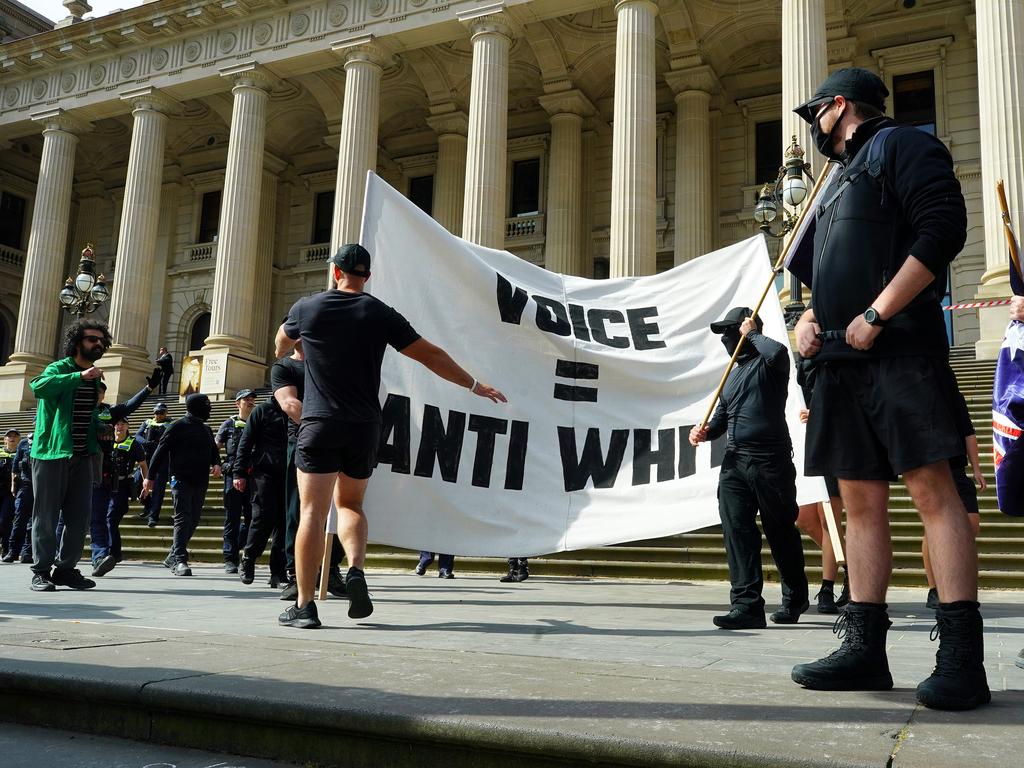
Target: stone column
129 360
1000 97
265 264
450 178
632 239
804 67
39 310
585 266
357 149
563 219
229 362
485 204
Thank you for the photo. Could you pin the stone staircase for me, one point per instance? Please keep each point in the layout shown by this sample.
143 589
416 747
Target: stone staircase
691 556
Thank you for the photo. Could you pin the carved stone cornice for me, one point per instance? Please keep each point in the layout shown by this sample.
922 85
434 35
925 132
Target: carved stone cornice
58 119
250 74
362 49
153 99
699 78
490 19
449 122
567 102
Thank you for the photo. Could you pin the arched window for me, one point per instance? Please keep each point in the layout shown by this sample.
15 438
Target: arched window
200 330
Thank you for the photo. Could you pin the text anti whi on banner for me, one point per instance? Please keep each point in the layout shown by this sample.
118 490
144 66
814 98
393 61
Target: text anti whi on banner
604 378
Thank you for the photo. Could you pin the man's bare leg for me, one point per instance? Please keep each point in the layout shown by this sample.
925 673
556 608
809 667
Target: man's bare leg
868 541
348 501
973 519
951 545
314 502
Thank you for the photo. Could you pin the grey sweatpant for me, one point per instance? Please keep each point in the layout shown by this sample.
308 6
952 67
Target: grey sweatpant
60 485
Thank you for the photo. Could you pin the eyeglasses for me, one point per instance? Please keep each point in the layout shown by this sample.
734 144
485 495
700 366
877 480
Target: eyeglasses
95 340
824 108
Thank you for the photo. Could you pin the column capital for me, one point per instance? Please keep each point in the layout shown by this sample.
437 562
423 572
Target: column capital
651 5
364 49
449 122
151 99
58 119
490 19
699 78
249 74
572 102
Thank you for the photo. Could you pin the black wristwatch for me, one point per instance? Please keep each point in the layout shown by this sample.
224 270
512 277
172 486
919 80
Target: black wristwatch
871 317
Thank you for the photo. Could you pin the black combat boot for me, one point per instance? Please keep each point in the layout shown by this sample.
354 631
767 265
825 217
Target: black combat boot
844 596
860 663
958 681
826 598
523 569
513 571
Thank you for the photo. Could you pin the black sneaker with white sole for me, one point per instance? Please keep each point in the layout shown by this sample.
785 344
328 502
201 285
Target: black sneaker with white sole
290 591
104 566
41 583
71 578
181 569
302 618
359 604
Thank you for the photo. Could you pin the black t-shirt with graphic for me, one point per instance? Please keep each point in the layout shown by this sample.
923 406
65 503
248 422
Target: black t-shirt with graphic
344 336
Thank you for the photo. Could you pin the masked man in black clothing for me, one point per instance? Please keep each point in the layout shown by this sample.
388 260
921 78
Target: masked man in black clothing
757 474
886 233
188 448
237 504
260 459
149 434
19 546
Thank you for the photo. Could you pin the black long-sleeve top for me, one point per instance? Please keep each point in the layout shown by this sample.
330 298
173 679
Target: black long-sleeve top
188 447
263 445
752 409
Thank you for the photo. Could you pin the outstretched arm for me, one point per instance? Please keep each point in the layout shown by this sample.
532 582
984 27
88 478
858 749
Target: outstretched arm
441 363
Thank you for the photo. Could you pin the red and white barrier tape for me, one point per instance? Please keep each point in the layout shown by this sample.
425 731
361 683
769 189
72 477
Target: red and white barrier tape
978 304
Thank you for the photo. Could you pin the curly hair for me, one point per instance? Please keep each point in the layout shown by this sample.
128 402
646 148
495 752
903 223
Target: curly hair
75 332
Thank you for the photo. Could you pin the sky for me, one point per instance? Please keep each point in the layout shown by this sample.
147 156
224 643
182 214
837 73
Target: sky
54 10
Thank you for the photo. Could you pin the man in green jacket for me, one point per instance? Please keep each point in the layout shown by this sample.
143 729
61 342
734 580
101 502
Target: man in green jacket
63 455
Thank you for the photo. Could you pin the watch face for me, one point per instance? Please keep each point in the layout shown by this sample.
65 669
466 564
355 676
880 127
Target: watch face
870 316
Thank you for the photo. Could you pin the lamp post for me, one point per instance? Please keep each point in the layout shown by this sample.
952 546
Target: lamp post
788 189
87 291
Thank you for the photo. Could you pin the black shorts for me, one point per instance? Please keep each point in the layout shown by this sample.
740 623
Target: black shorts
875 419
325 446
965 487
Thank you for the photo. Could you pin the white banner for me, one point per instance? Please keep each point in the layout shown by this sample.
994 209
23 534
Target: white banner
604 379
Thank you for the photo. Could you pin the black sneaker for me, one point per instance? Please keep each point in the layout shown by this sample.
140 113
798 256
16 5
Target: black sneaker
230 567
826 600
104 566
739 618
71 578
247 571
290 591
169 561
151 524
958 681
181 569
359 605
444 573
860 663
336 584
789 614
420 569
933 599
276 581
26 558
303 618
9 557
41 583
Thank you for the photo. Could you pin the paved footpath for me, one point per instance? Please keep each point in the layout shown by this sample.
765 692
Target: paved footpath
471 672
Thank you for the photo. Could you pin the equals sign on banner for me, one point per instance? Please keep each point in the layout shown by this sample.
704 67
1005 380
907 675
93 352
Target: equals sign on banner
567 369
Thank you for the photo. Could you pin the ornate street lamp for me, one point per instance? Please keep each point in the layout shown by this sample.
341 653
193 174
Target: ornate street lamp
788 191
86 291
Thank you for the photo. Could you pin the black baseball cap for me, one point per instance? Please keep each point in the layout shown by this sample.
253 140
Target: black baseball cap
12 431
733 318
352 258
853 83
160 408
243 393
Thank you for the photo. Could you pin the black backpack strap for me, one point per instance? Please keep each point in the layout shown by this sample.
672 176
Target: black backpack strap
876 151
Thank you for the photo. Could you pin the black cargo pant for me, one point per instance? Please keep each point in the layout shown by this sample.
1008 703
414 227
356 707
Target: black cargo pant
188 507
292 519
267 519
749 484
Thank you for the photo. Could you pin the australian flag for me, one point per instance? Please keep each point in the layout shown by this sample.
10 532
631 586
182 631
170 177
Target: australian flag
1008 411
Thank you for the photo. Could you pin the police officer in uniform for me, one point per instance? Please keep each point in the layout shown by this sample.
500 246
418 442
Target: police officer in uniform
757 475
149 434
20 541
110 497
237 504
7 454
261 461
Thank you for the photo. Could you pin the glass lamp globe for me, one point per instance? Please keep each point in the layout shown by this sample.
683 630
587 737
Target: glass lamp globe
100 293
765 211
68 295
794 190
84 282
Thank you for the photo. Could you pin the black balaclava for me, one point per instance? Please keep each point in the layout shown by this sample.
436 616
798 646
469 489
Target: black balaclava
822 140
729 328
198 406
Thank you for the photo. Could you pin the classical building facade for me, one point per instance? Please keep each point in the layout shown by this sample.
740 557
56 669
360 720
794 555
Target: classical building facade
215 151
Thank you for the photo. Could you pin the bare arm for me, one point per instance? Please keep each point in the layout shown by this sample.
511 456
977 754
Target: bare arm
288 399
440 363
972 454
283 343
912 278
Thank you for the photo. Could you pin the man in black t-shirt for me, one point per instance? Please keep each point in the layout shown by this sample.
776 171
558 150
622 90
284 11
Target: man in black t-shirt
344 334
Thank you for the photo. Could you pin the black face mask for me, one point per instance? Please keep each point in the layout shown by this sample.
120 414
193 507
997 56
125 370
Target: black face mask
822 140
200 408
730 339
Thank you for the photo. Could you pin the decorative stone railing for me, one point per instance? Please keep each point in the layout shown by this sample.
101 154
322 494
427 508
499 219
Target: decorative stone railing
201 252
519 227
11 256
311 254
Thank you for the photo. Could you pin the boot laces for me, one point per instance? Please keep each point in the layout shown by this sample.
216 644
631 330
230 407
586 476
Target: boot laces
954 646
850 632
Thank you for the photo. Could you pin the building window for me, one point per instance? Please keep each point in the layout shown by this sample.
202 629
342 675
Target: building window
421 192
12 220
525 187
200 330
209 217
913 100
767 151
323 217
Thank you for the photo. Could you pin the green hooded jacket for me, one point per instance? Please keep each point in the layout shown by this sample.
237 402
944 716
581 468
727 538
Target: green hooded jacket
55 390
